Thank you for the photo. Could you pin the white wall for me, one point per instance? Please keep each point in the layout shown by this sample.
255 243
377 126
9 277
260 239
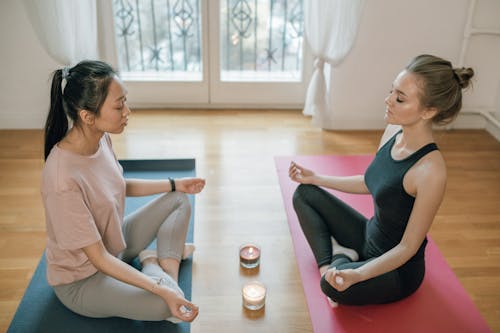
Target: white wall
390 35
391 32
25 68
484 52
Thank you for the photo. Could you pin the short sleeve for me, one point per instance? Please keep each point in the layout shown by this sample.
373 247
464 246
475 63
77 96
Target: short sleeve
72 224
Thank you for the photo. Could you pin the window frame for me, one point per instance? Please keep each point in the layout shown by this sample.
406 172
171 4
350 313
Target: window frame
210 92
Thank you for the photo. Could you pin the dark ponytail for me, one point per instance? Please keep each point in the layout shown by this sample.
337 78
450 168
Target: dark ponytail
82 87
56 125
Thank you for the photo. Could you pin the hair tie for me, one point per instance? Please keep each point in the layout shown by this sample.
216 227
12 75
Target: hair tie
65 72
65 75
457 77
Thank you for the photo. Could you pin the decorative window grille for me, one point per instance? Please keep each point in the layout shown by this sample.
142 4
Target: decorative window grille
158 36
261 35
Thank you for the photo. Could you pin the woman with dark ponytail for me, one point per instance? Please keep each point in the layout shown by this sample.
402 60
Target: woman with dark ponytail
89 241
380 260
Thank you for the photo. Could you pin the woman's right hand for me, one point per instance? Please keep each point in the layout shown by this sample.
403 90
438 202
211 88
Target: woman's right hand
180 307
300 174
190 185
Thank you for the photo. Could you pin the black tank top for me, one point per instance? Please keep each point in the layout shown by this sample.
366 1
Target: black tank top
393 205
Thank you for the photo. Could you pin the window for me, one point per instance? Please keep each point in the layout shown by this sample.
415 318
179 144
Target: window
155 38
261 40
216 47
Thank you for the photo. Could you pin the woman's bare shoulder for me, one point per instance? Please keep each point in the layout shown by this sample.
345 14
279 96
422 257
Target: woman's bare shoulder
389 132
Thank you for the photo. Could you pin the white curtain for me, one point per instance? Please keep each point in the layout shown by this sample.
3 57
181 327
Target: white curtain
67 29
330 28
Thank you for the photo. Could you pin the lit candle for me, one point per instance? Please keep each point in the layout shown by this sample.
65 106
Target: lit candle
254 295
249 255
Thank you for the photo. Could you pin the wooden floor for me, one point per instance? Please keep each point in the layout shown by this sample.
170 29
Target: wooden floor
234 151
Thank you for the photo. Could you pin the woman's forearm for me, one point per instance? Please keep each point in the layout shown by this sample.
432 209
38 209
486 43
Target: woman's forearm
349 184
387 262
143 187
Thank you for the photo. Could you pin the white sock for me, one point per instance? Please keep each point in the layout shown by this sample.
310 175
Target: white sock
332 303
157 273
174 320
188 250
339 249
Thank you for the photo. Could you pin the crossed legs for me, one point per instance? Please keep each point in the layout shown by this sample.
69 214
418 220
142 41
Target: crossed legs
166 218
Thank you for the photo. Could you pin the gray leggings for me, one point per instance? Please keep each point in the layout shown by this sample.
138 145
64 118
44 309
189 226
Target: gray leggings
165 218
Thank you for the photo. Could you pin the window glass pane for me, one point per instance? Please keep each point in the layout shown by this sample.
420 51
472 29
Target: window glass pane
261 40
157 37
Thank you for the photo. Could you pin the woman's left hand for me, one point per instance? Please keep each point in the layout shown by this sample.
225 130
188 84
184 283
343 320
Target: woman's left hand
342 279
189 185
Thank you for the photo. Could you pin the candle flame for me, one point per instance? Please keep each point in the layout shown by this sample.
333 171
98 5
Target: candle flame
250 250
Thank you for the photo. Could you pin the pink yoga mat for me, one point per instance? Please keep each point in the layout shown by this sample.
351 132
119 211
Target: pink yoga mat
440 304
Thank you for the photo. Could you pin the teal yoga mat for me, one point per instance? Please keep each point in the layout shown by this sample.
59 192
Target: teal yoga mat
41 311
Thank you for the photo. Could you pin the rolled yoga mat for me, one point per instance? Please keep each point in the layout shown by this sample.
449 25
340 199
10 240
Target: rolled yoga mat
41 311
441 304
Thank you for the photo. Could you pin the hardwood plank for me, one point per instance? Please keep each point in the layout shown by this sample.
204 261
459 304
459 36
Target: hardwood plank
234 150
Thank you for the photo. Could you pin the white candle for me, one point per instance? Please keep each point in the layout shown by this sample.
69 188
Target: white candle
254 295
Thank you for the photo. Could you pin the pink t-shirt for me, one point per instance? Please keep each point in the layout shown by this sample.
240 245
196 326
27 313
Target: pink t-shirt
84 199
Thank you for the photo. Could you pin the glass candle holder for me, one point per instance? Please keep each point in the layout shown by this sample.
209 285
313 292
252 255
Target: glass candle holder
254 295
249 255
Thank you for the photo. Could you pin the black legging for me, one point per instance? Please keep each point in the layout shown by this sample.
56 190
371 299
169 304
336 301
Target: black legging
322 216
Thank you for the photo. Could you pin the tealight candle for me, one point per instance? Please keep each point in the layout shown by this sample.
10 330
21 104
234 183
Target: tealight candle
254 295
249 255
